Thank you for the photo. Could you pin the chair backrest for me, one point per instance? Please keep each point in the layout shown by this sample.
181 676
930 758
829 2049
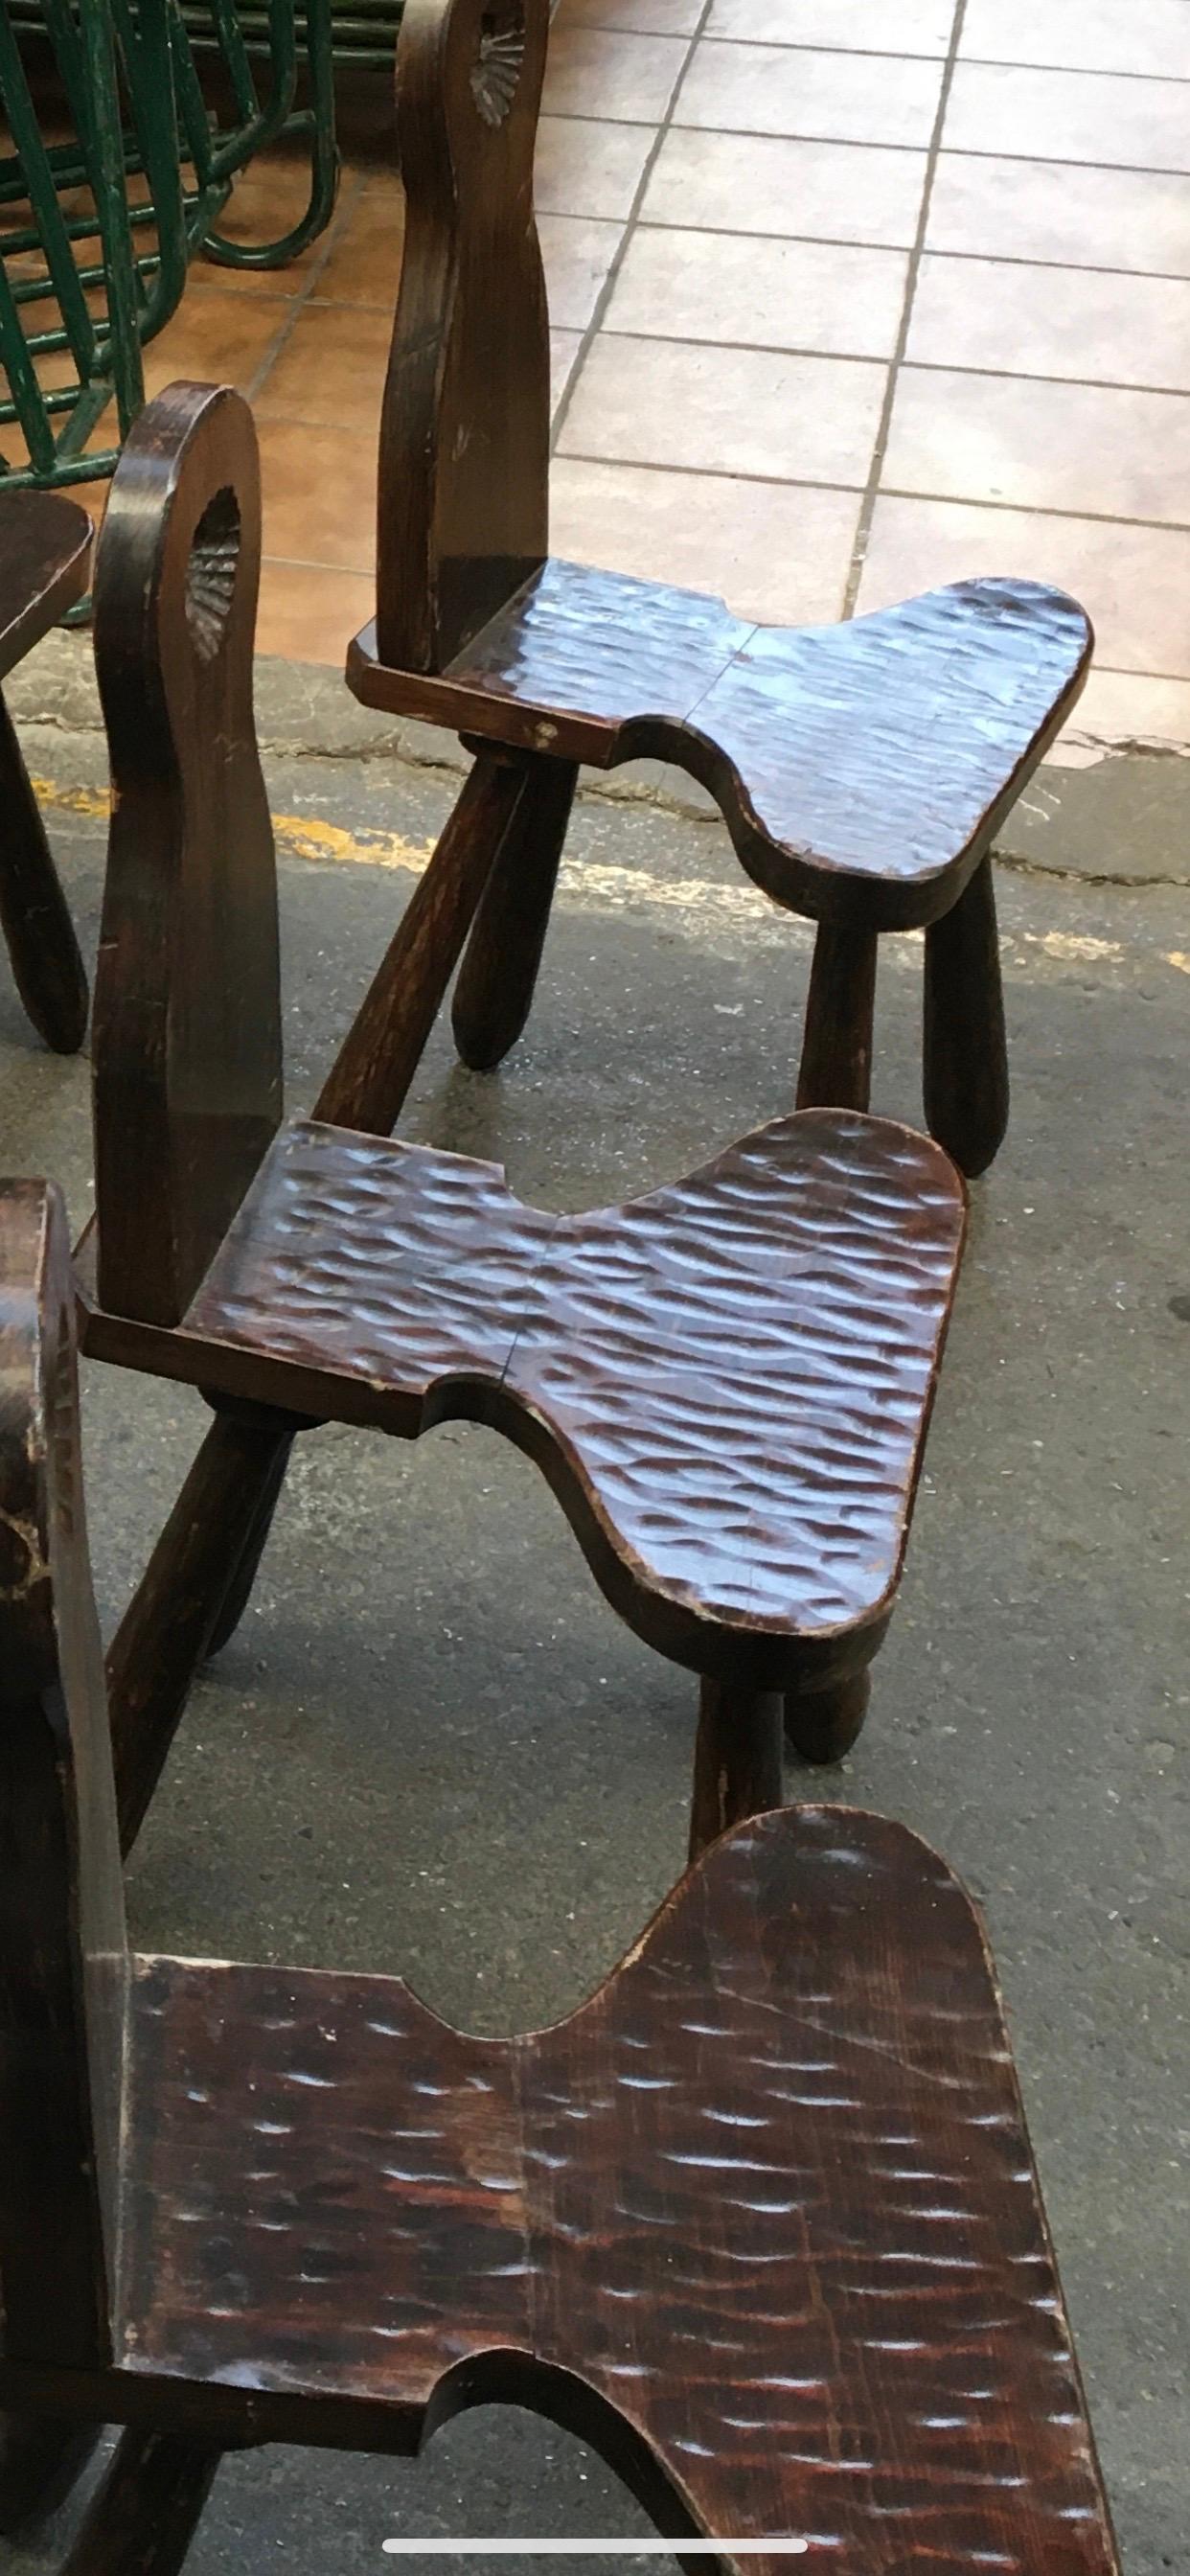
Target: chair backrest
62 1949
464 439
187 1034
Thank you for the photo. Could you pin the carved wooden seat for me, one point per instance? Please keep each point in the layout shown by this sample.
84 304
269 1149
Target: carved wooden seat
45 549
863 771
759 2220
728 1382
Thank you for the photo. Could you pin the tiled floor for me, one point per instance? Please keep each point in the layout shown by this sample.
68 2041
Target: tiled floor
848 299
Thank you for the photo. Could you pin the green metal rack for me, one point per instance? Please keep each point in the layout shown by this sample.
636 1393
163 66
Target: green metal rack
97 230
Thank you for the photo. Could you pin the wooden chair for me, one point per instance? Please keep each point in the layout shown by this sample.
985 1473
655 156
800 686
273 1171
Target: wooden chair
863 770
45 548
759 2220
727 1382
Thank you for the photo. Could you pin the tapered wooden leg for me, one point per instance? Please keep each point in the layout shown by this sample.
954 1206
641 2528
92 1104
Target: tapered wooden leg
34 915
147 2510
376 1063
822 1725
499 971
167 1629
239 1591
836 1066
966 1052
737 1760
40 2458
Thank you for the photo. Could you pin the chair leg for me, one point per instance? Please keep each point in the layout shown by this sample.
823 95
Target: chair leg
494 992
147 2510
737 1760
822 1725
239 1590
34 915
194 1571
40 2458
966 1053
368 1082
836 1066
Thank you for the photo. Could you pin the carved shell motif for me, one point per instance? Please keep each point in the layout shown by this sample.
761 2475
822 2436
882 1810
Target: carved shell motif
211 573
497 67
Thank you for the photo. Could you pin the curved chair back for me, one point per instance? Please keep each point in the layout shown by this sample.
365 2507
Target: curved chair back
187 1040
464 440
62 1954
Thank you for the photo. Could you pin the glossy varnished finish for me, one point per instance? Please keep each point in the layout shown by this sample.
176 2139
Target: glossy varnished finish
187 1043
767 2198
861 768
45 548
727 1382
465 430
759 2221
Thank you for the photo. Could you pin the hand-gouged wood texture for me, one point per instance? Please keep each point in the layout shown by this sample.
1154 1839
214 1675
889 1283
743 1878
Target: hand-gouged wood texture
728 1381
45 547
768 2196
860 768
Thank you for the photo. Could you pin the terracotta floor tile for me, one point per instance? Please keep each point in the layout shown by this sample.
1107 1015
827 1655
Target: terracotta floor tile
364 266
629 77
897 26
1053 210
845 98
269 199
331 369
1041 446
735 411
577 252
1083 324
319 505
1089 116
765 183
639 17
1134 581
772 551
215 338
586 166
1081 35
739 289
310 615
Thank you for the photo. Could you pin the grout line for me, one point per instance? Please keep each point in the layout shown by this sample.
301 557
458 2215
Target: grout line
883 358
869 143
298 303
889 491
868 504
934 250
608 287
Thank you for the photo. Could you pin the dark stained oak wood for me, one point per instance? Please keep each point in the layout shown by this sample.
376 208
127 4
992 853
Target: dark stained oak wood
759 2220
368 1082
147 2511
737 1760
966 1051
494 993
462 514
822 1725
40 2458
836 1065
862 770
45 548
187 991
727 1382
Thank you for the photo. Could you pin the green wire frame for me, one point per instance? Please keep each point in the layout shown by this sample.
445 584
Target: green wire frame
99 231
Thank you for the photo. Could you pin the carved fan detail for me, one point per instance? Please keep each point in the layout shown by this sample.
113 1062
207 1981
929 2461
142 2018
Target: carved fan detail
497 68
211 573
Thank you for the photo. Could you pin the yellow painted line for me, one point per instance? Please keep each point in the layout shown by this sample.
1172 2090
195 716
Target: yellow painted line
603 886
